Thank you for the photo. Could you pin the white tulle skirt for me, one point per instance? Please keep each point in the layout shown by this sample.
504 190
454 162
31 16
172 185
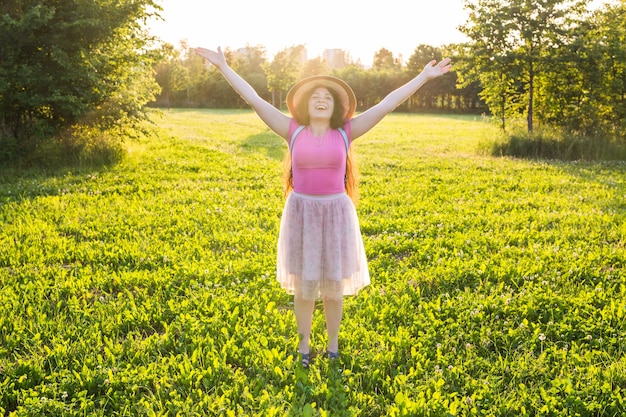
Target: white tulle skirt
320 248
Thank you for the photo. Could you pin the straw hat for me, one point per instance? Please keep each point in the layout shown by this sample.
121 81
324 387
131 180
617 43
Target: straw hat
343 90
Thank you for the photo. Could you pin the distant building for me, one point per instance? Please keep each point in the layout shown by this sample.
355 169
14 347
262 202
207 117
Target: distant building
243 52
335 58
303 55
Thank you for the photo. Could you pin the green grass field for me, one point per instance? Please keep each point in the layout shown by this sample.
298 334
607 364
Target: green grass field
498 285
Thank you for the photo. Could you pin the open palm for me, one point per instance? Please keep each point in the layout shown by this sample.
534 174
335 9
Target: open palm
434 69
214 57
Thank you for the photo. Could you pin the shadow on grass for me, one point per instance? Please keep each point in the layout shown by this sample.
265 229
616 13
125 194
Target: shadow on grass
268 143
18 184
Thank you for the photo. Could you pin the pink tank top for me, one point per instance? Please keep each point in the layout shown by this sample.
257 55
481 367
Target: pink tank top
318 164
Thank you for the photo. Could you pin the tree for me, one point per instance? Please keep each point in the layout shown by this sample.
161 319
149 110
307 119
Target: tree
284 71
251 59
65 62
384 60
589 95
250 63
510 48
426 96
196 70
355 76
316 66
613 24
170 73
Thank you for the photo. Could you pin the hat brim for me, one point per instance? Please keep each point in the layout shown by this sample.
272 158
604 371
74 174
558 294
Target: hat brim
340 87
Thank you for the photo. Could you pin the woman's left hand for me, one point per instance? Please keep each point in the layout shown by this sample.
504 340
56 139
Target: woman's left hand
434 69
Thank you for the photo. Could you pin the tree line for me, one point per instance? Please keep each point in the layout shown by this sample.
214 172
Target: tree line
79 76
186 82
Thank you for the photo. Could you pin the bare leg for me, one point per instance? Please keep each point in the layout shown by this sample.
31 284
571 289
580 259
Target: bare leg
333 310
304 318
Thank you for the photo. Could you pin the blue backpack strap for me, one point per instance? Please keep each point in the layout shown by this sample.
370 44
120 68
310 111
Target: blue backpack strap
344 135
293 137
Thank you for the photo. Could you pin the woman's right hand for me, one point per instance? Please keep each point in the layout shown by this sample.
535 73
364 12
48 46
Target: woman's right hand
274 118
214 57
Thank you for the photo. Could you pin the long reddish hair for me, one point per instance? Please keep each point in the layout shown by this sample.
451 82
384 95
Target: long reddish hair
336 121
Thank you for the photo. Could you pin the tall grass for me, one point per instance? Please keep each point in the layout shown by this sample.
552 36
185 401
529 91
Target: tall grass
147 288
548 143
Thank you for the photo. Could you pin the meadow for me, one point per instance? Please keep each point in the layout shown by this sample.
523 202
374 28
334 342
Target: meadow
147 288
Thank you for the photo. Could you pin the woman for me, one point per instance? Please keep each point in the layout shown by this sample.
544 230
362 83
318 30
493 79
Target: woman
320 248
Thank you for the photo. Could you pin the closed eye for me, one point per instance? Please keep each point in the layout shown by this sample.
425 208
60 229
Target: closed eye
318 97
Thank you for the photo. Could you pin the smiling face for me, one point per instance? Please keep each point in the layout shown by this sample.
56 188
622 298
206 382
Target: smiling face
321 104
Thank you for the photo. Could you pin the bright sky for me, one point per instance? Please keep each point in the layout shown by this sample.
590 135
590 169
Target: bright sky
359 27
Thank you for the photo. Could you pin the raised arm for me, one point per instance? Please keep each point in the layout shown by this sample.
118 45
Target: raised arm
369 118
273 118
